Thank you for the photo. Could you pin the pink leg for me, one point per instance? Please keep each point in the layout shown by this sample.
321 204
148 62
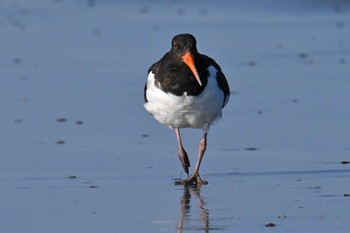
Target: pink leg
195 178
182 153
201 150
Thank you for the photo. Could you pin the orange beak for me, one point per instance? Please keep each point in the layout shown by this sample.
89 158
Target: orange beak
189 61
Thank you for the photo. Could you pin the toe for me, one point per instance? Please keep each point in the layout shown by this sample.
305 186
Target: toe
200 181
192 180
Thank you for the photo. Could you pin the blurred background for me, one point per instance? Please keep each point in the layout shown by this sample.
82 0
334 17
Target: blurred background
78 152
73 72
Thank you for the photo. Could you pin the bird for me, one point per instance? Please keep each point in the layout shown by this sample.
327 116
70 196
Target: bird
186 89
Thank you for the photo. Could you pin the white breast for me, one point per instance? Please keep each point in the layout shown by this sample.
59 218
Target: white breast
185 111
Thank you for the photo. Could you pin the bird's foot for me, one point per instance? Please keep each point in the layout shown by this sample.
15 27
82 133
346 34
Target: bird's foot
194 179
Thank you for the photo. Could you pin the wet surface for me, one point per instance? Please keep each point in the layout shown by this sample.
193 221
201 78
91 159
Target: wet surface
231 202
78 152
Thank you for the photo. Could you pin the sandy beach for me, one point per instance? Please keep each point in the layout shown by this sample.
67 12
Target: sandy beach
79 153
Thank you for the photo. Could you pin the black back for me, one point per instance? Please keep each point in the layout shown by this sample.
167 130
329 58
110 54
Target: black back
172 75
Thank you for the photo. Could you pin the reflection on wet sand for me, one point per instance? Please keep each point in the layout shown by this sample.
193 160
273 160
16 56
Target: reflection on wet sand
188 218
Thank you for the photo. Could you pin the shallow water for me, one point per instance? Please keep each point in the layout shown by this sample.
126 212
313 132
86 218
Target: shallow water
80 154
292 200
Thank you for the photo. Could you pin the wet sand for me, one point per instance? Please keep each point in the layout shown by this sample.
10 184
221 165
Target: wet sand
290 201
80 154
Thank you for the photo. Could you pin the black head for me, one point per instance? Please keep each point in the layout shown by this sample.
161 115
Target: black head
183 43
183 49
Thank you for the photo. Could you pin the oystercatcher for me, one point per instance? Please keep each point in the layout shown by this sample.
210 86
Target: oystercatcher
186 89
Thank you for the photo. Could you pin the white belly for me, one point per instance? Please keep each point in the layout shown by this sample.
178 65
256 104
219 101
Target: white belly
185 111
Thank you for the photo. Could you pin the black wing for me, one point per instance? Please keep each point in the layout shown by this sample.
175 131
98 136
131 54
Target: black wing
222 81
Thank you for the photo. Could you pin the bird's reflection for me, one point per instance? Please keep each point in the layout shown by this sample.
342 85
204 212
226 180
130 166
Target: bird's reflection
188 217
